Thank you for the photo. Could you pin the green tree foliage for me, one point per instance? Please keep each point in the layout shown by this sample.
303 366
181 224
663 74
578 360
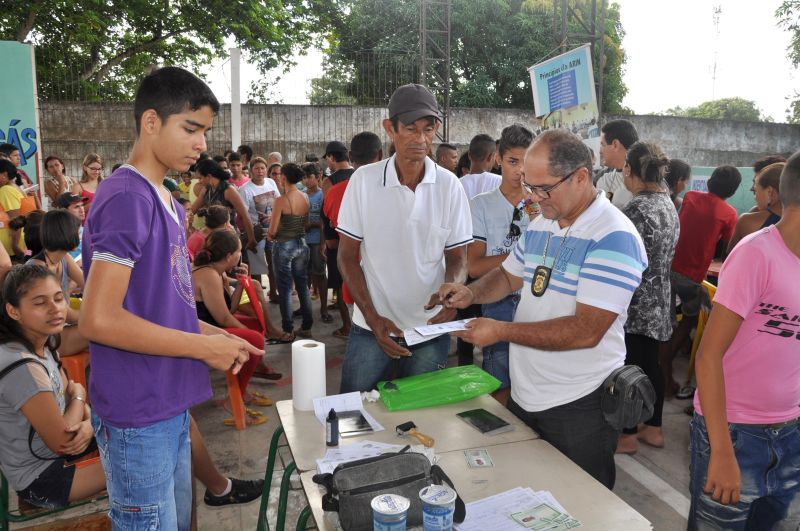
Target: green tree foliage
99 49
788 15
723 109
374 47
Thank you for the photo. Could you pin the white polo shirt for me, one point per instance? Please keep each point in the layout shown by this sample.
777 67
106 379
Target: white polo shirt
403 236
599 264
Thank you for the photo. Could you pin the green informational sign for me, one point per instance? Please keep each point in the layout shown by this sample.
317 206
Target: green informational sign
19 124
743 200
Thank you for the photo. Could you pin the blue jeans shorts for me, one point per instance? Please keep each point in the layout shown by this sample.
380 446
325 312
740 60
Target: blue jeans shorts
769 464
366 364
148 474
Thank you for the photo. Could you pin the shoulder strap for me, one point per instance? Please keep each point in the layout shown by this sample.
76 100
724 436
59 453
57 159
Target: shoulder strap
19 363
439 476
329 501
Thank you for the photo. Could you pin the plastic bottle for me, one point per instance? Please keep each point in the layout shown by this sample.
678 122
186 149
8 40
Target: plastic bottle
332 429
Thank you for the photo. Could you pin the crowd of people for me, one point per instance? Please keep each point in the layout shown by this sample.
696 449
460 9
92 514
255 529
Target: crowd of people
568 272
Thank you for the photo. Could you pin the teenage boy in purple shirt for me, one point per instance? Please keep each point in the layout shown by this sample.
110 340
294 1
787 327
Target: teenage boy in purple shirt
149 353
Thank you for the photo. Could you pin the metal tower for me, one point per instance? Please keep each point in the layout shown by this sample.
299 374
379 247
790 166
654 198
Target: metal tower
434 68
563 13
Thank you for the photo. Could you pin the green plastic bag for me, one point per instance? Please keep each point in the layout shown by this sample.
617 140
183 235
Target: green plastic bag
436 388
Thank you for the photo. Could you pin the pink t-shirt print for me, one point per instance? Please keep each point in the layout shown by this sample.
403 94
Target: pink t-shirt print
759 282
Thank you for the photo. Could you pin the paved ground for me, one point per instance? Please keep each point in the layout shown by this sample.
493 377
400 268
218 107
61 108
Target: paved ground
654 481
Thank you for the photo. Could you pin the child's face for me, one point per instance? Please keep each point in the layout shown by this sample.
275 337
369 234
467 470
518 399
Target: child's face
236 168
512 164
311 181
187 177
78 210
178 142
42 309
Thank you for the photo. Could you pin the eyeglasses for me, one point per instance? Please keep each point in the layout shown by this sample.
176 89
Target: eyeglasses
94 168
544 191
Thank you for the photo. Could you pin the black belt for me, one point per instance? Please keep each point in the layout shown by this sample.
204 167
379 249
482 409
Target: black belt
778 425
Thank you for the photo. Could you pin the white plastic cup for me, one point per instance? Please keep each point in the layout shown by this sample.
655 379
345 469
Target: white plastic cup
389 512
438 506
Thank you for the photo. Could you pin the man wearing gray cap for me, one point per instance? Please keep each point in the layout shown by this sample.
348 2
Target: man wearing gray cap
404 225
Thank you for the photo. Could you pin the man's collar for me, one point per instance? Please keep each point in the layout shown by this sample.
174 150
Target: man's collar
390 177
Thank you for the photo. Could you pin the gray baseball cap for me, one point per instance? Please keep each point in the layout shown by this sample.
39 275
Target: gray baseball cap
411 102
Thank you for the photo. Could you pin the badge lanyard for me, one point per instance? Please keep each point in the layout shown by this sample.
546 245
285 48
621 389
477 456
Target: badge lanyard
541 275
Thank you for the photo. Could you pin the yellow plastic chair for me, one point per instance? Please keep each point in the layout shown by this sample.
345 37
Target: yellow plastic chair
702 318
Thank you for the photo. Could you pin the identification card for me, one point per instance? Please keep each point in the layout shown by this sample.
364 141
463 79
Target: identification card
478 458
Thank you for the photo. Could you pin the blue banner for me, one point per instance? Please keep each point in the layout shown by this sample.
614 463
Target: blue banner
563 82
18 113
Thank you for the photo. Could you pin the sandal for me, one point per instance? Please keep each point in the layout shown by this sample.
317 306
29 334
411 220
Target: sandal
266 373
305 334
254 413
250 421
340 334
326 318
257 399
280 340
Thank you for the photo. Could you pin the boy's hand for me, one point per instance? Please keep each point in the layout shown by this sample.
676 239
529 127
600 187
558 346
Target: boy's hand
223 352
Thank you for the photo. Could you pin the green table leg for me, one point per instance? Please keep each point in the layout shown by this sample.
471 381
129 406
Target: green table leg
282 500
4 504
302 520
263 525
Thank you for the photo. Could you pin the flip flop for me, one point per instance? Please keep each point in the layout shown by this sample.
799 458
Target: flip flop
254 413
340 334
685 392
276 341
305 334
258 400
326 318
267 374
252 421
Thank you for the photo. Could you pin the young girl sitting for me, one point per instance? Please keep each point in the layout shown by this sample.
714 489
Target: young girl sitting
44 418
217 304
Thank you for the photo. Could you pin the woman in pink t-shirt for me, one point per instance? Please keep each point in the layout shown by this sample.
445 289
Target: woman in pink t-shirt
745 440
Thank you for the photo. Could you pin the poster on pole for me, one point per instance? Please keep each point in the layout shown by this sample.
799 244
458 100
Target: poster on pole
564 94
19 116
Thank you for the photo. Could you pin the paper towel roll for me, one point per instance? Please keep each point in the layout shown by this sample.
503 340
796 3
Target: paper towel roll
308 373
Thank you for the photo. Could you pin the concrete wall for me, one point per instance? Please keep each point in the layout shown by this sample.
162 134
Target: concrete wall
71 130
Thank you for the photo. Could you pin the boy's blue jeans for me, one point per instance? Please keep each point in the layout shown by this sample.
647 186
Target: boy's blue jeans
148 474
769 462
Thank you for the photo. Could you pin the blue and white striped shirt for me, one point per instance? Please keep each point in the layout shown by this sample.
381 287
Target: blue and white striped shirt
599 264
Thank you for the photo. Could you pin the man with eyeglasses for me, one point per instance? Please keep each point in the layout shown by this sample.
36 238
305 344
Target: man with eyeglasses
577 265
498 219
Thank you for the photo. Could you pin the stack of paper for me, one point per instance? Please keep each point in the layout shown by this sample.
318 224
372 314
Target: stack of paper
516 509
362 450
419 334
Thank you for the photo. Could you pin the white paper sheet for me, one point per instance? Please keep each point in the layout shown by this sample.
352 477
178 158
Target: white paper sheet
495 511
442 328
420 334
344 402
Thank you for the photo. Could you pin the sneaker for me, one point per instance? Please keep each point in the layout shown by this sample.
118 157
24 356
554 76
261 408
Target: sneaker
242 491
